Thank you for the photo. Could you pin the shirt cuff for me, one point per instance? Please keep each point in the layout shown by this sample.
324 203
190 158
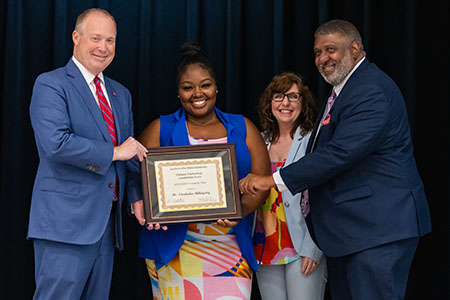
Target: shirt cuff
279 181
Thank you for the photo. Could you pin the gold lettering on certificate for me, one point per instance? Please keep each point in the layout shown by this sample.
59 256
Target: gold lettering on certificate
190 184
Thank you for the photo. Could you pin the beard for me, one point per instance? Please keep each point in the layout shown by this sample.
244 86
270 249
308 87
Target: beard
342 69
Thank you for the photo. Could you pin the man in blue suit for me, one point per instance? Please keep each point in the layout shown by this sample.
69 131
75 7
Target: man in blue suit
367 201
83 127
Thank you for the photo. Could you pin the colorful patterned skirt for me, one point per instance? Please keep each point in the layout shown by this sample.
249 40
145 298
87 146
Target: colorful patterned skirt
209 265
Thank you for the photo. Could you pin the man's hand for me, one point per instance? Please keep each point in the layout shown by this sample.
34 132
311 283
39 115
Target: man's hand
138 208
251 184
129 149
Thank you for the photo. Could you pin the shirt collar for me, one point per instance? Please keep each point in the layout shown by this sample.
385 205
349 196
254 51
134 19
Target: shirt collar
88 76
338 88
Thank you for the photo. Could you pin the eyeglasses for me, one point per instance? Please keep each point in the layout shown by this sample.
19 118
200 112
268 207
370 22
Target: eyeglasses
292 97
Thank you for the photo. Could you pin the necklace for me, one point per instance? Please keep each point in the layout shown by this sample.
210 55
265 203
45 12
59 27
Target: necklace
201 124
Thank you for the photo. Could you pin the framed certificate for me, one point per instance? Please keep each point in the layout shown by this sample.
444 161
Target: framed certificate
190 184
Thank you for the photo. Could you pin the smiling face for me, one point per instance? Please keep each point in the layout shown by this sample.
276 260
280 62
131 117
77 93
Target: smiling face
335 56
287 112
95 42
197 91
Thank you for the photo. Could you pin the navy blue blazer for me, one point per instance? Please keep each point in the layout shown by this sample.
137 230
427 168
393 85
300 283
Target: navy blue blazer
363 183
74 185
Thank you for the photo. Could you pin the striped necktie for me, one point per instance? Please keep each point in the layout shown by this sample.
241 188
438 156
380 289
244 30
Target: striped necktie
106 110
109 120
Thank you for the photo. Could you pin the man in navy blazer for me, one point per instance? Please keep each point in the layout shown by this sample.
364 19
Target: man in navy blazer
367 201
75 216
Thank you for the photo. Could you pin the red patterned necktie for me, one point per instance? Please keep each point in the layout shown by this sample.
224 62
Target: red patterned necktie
109 119
106 110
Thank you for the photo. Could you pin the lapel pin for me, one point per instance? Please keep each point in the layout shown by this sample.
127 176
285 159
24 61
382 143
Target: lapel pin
114 94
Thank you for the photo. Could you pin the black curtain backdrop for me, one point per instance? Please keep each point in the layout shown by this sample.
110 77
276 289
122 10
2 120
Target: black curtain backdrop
248 42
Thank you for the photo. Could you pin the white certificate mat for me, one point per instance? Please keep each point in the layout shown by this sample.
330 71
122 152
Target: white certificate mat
190 184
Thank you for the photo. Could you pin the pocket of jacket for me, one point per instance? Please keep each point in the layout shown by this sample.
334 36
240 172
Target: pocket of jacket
353 194
60 186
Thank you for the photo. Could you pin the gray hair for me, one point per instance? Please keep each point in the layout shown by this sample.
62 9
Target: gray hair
342 27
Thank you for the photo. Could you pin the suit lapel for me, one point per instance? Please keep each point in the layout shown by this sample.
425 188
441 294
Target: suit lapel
295 147
86 96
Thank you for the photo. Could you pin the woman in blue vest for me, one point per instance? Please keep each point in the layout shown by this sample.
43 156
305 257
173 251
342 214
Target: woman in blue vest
203 261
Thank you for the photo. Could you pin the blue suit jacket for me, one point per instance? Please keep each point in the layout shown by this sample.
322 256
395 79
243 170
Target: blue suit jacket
362 178
73 189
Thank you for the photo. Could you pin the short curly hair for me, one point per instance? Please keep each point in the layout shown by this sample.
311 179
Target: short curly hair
280 84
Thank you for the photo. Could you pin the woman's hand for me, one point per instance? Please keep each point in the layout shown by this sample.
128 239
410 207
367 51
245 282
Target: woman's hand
225 223
156 226
309 265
